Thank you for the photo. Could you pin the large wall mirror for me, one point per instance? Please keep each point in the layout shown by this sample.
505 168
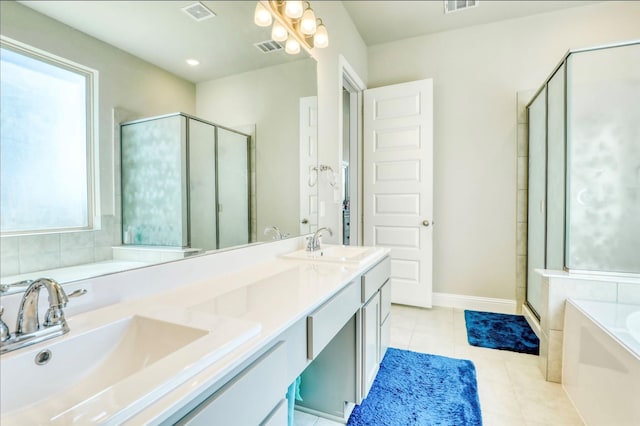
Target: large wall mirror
244 83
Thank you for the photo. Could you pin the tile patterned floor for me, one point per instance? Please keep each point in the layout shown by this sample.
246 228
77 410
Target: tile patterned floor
511 388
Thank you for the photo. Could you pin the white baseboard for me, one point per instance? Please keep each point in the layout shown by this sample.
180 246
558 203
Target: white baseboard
486 304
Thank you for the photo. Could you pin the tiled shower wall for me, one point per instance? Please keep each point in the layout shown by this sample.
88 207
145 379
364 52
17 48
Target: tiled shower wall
522 99
28 253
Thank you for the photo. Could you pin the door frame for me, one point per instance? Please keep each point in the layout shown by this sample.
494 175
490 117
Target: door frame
351 81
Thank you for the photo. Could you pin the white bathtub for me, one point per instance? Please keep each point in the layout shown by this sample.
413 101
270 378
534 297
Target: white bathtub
601 361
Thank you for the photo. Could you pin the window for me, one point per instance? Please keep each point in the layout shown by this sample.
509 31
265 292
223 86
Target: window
46 142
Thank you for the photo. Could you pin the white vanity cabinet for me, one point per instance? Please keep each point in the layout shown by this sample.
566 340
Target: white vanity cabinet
376 295
253 393
385 322
337 348
370 342
346 367
253 397
325 322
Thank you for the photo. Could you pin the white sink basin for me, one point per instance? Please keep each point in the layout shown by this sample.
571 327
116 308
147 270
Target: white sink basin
104 374
336 253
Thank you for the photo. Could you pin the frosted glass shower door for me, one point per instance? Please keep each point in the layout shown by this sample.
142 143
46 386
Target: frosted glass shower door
555 170
233 188
154 176
202 185
536 230
603 148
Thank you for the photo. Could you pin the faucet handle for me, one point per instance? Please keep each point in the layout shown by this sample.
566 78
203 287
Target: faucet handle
54 316
6 287
58 299
5 334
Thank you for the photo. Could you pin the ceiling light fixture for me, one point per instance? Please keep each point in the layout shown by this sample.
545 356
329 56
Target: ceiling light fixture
193 62
293 21
262 16
321 38
279 32
292 47
293 9
308 22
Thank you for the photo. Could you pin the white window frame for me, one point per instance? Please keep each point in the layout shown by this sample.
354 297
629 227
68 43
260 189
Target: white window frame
92 134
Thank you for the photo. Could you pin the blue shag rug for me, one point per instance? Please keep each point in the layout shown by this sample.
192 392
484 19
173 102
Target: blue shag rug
412 388
501 331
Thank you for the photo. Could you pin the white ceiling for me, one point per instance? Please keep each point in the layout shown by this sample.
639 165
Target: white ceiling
160 33
385 21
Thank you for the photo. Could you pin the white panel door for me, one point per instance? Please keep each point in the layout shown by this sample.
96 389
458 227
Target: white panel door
308 164
398 184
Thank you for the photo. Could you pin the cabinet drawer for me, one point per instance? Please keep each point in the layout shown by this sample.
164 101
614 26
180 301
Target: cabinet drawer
279 416
385 301
263 383
326 322
373 279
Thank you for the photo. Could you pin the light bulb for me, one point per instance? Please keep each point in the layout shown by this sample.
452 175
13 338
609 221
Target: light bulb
262 17
293 9
308 22
279 32
292 47
321 38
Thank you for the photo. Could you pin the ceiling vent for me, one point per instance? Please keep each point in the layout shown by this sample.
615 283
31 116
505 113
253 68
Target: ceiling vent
455 5
198 11
269 46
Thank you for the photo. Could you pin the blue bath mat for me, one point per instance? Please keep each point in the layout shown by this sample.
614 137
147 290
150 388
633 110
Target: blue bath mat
501 331
419 389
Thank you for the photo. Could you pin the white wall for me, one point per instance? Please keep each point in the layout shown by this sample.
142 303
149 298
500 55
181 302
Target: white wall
127 83
270 99
476 73
344 40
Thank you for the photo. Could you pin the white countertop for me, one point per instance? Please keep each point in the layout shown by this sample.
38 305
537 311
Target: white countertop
272 295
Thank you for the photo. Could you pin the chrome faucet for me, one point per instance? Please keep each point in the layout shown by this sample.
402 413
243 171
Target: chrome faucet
29 331
313 243
4 330
277 235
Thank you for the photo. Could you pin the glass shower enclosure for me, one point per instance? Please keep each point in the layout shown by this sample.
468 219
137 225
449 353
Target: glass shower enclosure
584 166
185 183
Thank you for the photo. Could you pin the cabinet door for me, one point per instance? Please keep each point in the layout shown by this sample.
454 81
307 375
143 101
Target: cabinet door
385 321
371 342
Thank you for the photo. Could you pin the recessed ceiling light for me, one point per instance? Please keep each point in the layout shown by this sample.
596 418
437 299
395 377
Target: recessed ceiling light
193 62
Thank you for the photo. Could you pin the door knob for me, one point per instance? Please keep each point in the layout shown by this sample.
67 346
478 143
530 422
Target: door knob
425 223
304 221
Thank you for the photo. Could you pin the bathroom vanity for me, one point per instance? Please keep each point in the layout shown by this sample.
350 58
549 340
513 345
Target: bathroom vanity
337 348
218 348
